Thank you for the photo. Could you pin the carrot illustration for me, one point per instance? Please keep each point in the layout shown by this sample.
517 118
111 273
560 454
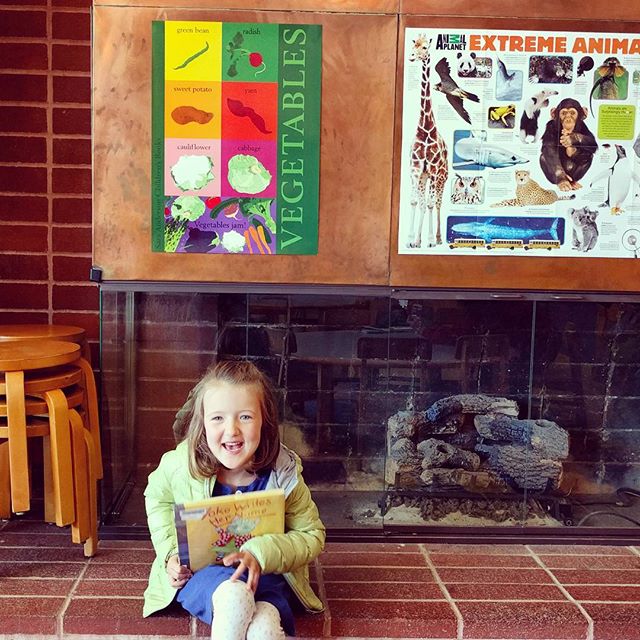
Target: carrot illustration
248 240
264 240
256 237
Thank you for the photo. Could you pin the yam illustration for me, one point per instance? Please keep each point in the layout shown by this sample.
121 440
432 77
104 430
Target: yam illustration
187 114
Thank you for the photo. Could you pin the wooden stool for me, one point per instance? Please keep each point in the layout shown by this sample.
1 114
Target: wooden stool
38 381
84 526
56 447
44 369
15 359
66 333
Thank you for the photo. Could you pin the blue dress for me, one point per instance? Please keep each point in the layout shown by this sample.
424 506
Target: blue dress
196 595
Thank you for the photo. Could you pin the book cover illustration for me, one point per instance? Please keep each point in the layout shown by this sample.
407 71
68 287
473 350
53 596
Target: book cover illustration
210 529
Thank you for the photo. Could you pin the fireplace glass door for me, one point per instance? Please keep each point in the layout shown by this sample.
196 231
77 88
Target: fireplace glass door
411 414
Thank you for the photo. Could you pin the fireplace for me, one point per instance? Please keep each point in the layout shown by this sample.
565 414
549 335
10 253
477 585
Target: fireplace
415 412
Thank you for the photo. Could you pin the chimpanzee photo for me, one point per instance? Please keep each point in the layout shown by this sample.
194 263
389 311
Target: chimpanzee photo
567 145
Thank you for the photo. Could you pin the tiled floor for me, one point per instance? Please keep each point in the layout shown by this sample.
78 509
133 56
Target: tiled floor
430 591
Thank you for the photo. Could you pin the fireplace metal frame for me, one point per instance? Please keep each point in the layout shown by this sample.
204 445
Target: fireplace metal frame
413 533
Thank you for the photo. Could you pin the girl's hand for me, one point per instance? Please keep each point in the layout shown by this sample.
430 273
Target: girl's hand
178 574
246 562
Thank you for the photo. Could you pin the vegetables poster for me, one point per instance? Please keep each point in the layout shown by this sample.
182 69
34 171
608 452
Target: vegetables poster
520 143
236 137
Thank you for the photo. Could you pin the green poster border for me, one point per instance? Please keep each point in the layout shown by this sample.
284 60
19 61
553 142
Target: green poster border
157 136
308 243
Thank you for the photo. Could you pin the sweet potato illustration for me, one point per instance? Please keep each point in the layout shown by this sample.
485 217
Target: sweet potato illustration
186 114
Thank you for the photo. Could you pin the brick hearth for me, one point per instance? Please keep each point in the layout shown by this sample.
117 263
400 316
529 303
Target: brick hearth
429 591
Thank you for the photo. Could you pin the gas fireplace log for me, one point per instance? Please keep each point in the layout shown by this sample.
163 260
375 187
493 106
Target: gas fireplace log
437 453
447 426
409 424
404 424
470 403
465 439
404 464
546 438
473 481
404 450
401 478
522 467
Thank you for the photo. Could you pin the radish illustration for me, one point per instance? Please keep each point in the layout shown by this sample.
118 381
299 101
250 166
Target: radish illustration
255 60
237 52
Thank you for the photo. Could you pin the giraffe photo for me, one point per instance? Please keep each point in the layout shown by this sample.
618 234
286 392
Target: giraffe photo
428 165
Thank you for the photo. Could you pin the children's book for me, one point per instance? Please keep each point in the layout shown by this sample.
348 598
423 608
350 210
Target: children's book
210 529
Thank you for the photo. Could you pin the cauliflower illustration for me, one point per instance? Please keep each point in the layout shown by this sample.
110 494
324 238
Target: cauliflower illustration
192 172
247 174
233 241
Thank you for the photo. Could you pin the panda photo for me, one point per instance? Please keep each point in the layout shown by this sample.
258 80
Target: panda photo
466 64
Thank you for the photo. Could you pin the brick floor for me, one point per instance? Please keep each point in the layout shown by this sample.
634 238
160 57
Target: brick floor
429 591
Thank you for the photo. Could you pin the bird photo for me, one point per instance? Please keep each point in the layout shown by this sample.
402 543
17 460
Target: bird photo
586 64
455 94
620 176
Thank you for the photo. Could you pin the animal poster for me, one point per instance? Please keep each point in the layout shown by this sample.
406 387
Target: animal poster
235 137
520 143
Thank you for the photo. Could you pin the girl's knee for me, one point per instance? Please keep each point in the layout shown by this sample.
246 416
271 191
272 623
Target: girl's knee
265 624
233 609
234 594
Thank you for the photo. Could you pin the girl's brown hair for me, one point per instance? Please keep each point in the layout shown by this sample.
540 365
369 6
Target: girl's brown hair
202 462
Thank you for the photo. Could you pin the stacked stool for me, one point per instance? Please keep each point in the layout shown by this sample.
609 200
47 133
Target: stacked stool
47 390
66 333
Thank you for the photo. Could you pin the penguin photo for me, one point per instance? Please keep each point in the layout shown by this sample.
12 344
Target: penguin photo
619 177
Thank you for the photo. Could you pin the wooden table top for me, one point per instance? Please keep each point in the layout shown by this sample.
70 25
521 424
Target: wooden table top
36 354
40 332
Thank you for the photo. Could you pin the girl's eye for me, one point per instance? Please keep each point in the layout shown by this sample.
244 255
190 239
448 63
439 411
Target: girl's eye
246 416
215 418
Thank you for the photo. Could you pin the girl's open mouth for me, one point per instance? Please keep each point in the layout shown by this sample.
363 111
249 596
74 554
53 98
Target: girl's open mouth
233 447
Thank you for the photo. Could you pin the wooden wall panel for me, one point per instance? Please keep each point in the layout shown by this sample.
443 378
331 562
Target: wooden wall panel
490 272
341 6
361 113
571 11
358 84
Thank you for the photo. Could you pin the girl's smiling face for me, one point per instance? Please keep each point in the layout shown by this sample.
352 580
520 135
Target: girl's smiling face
232 422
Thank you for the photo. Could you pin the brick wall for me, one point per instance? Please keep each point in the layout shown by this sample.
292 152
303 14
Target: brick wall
45 164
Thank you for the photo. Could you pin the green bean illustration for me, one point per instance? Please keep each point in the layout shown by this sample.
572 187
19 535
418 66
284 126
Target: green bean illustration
190 59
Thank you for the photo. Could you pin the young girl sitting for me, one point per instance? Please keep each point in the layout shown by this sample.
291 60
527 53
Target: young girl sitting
232 445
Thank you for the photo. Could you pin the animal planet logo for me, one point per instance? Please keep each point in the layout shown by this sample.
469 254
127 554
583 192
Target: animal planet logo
451 41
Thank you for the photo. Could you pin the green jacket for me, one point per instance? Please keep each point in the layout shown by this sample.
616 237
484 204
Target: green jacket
287 553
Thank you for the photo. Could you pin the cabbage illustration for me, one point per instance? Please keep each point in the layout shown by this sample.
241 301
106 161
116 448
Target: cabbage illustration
192 172
187 208
233 241
247 174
